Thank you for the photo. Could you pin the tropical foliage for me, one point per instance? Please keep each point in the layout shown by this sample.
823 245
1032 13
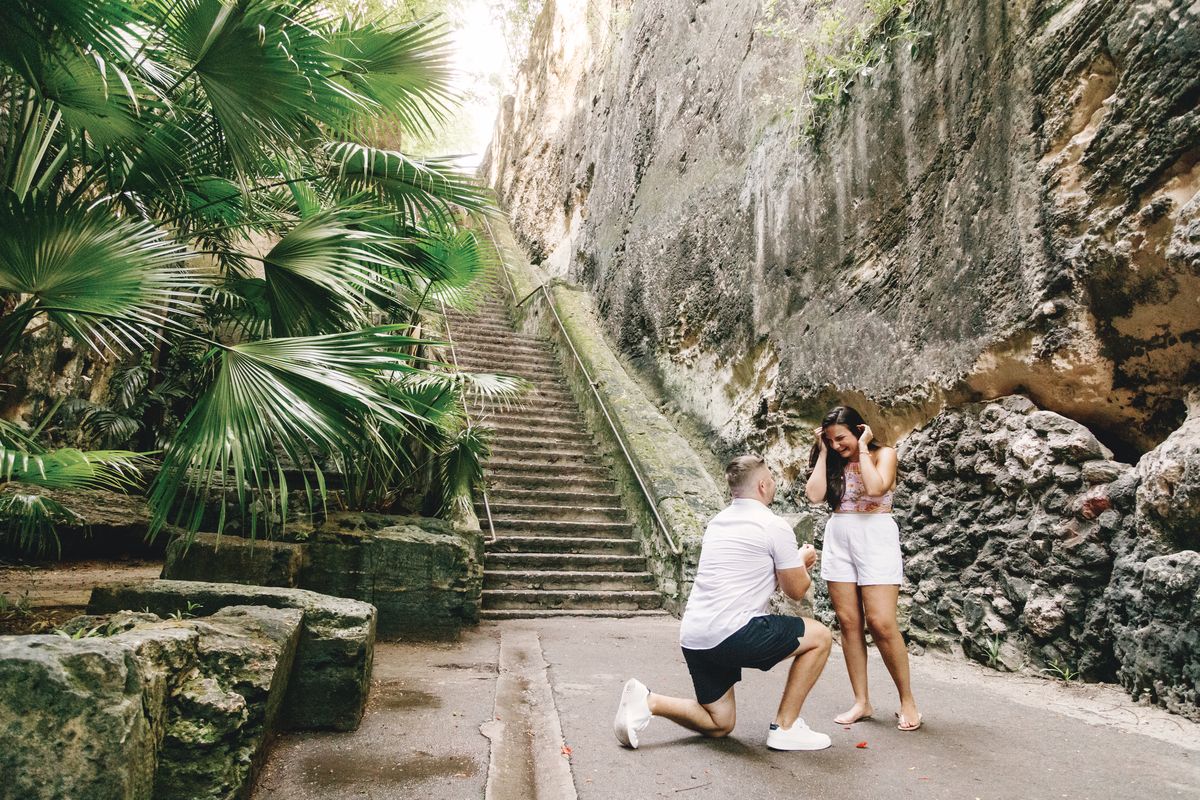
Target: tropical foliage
191 176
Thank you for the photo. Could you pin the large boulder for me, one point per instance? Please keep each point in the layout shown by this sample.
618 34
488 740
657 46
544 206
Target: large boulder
423 576
73 716
234 559
139 707
104 523
332 672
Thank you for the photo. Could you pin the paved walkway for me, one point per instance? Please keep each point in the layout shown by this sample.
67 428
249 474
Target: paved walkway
986 735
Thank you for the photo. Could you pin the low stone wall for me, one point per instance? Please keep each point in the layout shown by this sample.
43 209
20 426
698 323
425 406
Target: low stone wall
423 575
684 493
141 707
332 675
1026 544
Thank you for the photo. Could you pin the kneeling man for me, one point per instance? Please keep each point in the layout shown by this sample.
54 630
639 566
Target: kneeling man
747 551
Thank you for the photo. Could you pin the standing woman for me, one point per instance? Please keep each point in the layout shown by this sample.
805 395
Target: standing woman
861 561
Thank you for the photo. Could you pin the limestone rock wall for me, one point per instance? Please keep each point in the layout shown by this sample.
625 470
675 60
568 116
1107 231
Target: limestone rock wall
1026 545
1008 205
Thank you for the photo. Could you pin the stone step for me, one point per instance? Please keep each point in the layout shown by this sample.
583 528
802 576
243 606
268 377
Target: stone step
502 349
605 529
587 562
477 362
555 511
506 468
533 374
567 579
471 338
563 545
546 452
576 438
504 425
572 599
564 496
541 613
536 407
551 481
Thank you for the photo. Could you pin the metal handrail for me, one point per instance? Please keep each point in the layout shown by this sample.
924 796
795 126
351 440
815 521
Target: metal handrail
487 507
662 526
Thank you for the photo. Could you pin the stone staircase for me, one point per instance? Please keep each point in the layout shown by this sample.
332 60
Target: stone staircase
564 542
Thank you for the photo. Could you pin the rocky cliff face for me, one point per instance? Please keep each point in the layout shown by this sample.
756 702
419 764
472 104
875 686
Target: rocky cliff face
1005 200
995 199
1026 545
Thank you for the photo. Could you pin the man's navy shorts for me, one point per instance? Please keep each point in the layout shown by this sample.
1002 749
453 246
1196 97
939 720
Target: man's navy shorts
761 643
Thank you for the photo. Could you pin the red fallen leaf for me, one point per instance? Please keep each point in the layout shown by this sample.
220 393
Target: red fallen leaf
861 745
566 751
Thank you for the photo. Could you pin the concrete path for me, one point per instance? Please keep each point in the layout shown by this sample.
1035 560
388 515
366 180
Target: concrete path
986 736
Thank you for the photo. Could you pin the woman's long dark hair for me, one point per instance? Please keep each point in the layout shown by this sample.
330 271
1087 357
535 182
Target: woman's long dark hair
835 465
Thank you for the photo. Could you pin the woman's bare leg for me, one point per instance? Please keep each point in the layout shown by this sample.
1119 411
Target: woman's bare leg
879 604
847 604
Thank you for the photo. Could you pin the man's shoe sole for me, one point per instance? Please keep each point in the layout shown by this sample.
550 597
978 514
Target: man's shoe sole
804 748
625 734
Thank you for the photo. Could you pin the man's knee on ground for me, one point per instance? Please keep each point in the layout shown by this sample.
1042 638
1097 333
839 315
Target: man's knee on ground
720 732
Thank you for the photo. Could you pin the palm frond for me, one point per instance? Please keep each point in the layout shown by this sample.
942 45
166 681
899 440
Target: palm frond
105 281
261 70
279 404
325 273
403 70
28 521
460 466
69 468
415 189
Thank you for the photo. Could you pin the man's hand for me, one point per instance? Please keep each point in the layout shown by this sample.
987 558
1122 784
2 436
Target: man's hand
809 554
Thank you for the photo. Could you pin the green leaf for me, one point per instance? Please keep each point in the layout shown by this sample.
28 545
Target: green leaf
69 468
402 70
104 280
415 189
283 403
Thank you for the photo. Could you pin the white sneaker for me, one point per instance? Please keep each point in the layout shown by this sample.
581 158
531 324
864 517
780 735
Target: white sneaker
633 714
797 737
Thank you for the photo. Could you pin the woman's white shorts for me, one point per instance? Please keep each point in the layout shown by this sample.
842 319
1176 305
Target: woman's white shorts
862 549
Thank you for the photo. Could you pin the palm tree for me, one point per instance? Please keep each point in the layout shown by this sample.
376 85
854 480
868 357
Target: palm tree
147 148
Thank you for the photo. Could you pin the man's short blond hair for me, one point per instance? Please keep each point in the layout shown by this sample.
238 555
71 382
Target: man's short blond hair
740 472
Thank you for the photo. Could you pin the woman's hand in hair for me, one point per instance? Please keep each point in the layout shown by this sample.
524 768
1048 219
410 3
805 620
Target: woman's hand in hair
865 436
820 434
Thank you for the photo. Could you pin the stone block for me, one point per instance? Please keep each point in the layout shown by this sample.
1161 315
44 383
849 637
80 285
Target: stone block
423 576
83 713
233 559
332 671
140 707
222 716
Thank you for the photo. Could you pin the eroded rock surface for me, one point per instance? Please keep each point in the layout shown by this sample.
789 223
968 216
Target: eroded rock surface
423 575
1026 544
140 707
332 672
1010 204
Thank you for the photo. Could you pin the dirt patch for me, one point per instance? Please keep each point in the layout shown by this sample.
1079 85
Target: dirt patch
39 598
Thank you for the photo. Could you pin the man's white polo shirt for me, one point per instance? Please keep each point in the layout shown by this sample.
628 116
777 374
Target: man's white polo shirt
742 548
